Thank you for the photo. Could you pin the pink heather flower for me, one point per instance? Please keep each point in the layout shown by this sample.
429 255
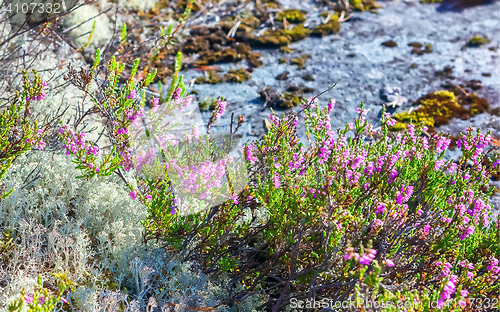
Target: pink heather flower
464 292
221 108
132 94
377 223
196 132
249 154
389 262
393 174
380 208
64 300
41 145
177 94
235 199
496 163
132 195
391 122
276 181
493 262
29 298
331 105
362 112
427 227
461 303
467 232
155 103
439 164
420 211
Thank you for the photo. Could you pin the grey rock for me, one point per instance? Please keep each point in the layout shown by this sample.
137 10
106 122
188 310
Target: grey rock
392 96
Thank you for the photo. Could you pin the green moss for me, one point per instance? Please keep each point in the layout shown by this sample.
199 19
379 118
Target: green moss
298 33
272 39
364 5
239 75
211 77
398 126
445 93
289 100
300 61
477 41
282 37
293 16
332 27
285 49
207 104
282 60
436 109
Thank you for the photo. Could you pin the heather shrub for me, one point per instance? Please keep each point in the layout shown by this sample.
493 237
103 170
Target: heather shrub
19 130
343 206
341 217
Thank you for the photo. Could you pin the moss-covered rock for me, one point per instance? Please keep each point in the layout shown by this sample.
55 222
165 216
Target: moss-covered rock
272 39
293 16
238 75
364 5
254 60
300 61
417 48
285 49
211 77
281 37
477 41
289 100
436 109
332 27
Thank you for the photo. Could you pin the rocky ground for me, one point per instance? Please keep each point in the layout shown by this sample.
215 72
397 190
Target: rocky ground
356 59
370 57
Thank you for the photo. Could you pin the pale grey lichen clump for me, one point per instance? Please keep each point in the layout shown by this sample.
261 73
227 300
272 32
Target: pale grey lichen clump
142 5
90 229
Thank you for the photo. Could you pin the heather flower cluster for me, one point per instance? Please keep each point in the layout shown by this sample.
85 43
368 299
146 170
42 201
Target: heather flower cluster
75 144
363 259
181 102
39 94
